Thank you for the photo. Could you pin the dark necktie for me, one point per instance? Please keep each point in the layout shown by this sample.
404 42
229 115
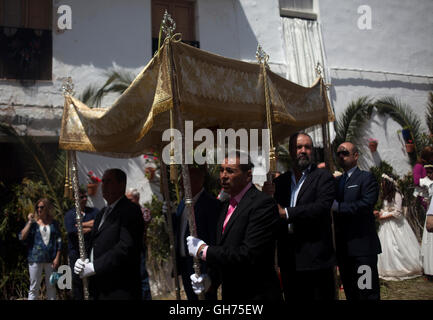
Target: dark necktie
342 185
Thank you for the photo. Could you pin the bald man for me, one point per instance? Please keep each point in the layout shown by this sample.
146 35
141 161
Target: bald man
357 243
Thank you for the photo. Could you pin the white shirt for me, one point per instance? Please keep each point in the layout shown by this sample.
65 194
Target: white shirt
295 188
45 233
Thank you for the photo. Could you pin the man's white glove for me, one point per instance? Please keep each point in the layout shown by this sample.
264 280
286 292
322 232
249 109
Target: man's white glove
164 208
84 268
200 284
193 245
335 206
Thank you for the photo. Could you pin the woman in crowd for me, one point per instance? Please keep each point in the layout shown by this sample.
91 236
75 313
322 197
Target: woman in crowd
419 172
43 238
427 237
400 257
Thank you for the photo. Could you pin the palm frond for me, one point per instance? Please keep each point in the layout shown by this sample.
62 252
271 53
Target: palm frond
429 113
117 82
403 115
35 160
347 126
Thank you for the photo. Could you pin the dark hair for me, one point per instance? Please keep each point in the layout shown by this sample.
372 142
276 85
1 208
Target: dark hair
426 155
294 137
118 174
388 189
238 154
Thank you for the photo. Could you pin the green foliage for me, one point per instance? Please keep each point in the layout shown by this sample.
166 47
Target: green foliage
117 82
386 168
45 179
429 113
157 235
403 115
14 277
347 126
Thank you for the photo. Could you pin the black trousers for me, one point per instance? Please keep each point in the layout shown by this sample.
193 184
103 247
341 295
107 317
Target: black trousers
316 285
360 277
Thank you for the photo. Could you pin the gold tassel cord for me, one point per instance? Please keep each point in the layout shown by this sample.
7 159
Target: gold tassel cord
263 58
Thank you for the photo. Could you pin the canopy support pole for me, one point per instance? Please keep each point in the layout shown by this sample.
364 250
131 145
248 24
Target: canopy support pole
83 256
166 192
263 58
189 206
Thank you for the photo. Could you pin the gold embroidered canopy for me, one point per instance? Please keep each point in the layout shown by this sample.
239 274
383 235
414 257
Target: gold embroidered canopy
212 91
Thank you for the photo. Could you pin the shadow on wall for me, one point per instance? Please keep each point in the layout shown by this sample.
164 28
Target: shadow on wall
368 83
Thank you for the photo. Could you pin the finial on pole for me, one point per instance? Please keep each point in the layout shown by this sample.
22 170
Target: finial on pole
168 25
68 87
262 56
320 73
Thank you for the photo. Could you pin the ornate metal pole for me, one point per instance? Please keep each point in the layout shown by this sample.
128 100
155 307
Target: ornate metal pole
325 127
168 29
68 88
263 58
166 193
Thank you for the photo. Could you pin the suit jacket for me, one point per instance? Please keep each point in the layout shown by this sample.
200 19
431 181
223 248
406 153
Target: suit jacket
243 258
355 228
310 245
206 211
116 252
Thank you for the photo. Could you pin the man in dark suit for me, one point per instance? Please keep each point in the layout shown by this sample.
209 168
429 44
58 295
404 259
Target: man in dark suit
206 210
305 248
357 243
116 243
242 260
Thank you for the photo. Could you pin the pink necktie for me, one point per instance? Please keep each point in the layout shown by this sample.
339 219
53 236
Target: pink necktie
232 207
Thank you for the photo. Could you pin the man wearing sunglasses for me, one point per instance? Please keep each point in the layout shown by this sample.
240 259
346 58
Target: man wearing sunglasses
357 243
88 215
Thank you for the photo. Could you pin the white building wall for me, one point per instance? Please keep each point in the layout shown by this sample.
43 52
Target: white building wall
110 33
399 43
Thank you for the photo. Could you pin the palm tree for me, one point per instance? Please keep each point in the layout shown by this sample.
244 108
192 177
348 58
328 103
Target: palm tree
347 126
403 115
429 113
38 166
117 82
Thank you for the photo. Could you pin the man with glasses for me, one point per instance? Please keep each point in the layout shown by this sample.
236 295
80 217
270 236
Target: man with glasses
357 243
88 215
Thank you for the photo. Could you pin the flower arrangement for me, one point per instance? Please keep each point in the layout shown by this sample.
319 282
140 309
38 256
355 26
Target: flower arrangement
372 144
92 178
151 164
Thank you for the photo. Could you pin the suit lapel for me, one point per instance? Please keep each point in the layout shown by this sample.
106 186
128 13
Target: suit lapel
98 218
242 205
353 177
221 219
306 184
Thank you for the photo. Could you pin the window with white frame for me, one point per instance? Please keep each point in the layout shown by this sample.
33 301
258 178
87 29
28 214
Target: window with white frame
303 9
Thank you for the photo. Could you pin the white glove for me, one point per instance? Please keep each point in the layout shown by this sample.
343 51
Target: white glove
200 284
335 206
164 207
84 268
193 245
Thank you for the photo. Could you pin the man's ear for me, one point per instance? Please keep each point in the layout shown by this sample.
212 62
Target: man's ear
250 175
